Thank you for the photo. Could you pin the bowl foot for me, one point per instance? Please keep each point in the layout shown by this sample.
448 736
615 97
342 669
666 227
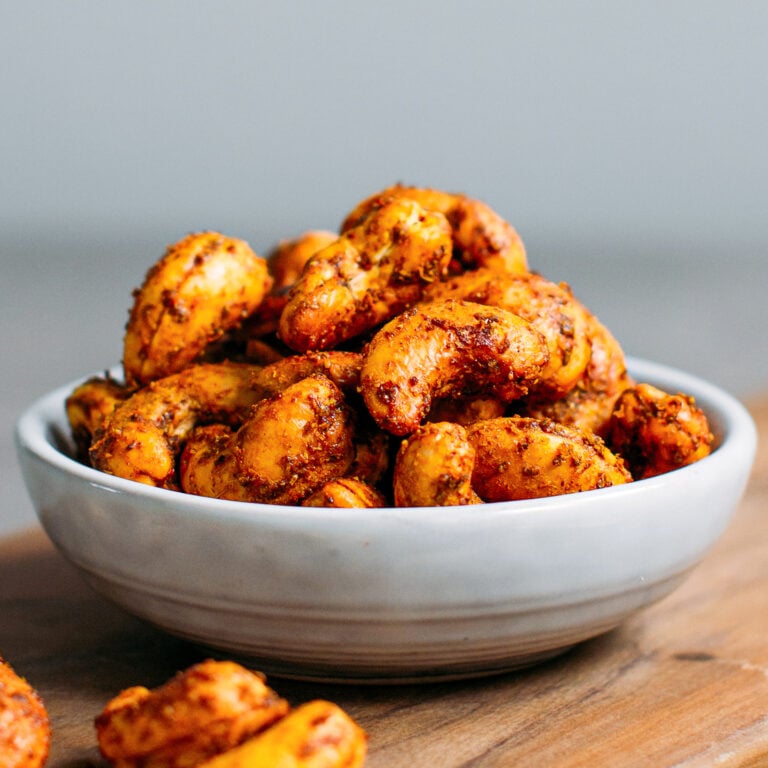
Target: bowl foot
352 676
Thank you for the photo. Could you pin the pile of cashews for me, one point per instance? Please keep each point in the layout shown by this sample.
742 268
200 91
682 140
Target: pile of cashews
409 359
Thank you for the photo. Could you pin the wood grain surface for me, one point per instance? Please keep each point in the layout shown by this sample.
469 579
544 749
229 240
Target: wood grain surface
684 683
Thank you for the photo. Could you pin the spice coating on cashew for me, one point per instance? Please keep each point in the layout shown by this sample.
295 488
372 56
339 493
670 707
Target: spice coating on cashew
288 447
203 286
421 310
342 368
657 432
207 465
465 410
287 261
524 458
88 406
366 276
434 468
447 348
588 405
318 734
481 238
346 493
208 708
25 730
142 436
549 307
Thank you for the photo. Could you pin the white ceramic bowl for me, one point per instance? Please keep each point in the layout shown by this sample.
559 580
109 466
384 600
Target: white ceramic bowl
388 594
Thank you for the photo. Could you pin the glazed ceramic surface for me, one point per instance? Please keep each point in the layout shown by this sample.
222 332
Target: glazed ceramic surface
388 594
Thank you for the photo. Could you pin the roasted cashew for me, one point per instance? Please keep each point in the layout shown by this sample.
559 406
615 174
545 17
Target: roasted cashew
142 436
285 263
657 432
523 458
588 405
317 734
288 447
288 259
549 307
480 236
342 368
88 406
25 730
447 348
203 286
346 492
207 466
211 707
367 276
434 467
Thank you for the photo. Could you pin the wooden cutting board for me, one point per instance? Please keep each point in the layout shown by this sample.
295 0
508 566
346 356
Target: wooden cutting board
684 683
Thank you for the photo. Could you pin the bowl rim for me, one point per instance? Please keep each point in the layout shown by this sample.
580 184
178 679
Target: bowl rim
733 425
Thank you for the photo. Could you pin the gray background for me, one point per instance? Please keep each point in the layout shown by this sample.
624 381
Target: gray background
624 140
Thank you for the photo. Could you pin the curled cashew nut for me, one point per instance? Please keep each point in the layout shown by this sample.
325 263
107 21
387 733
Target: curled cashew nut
480 236
210 707
588 405
342 368
434 467
346 492
549 307
288 259
447 348
285 264
366 276
287 448
318 734
142 436
88 406
203 286
207 465
523 458
657 432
